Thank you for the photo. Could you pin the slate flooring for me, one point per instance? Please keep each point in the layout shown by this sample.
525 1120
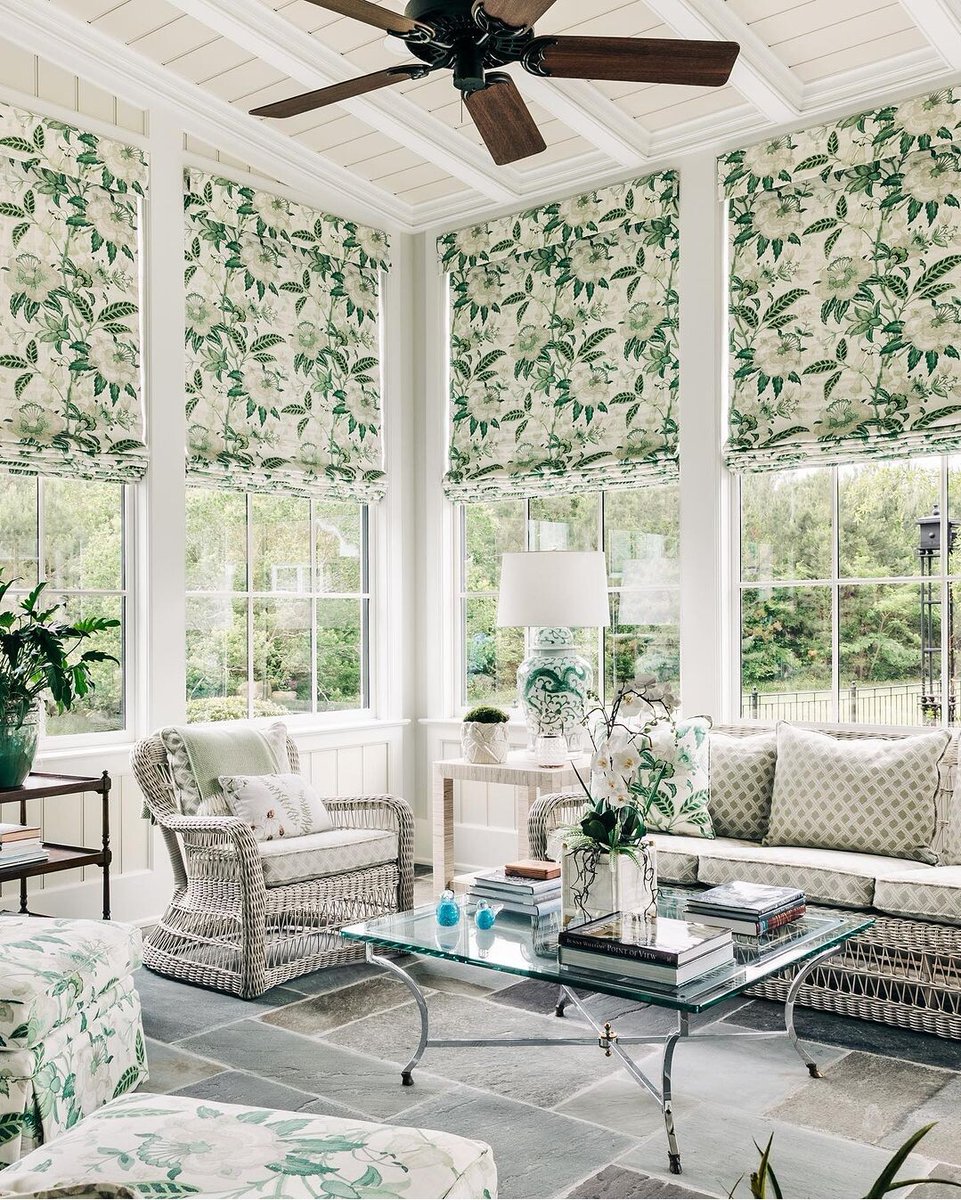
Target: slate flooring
568 1121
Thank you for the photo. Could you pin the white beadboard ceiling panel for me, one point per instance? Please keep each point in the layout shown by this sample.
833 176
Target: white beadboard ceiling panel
416 143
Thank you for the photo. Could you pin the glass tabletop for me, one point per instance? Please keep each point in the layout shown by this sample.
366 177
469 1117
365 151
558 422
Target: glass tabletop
520 946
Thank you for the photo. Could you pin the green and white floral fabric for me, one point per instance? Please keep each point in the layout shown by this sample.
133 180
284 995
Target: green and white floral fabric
845 288
283 345
175 1146
71 1036
680 757
564 327
70 389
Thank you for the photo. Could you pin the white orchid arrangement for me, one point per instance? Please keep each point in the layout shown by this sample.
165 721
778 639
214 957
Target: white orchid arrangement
620 736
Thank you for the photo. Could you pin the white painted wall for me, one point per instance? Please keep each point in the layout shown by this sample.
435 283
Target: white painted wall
341 755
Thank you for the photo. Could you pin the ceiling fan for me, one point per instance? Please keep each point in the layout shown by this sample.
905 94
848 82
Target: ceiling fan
473 38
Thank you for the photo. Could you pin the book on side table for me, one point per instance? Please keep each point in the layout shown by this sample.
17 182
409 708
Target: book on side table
523 895
667 951
754 909
20 844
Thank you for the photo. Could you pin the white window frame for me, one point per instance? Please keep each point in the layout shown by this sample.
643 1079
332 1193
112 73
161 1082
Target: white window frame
943 577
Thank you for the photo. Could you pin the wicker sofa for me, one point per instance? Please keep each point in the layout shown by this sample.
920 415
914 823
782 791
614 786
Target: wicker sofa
905 970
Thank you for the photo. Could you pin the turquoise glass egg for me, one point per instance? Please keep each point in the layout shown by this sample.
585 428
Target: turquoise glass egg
448 910
484 916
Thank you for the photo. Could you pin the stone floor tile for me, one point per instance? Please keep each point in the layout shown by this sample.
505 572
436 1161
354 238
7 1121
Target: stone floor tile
459 978
944 1140
330 978
239 1087
618 1183
863 1097
537 1153
717 1144
540 1075
328 1010
939 1191
172 1068
871 1036
361 1082
173 1011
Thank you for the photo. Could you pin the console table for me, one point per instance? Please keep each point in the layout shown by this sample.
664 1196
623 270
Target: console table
520 771
38 786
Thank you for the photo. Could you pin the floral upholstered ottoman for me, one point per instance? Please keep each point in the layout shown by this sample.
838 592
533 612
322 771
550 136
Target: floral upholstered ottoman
151 1145
70 1031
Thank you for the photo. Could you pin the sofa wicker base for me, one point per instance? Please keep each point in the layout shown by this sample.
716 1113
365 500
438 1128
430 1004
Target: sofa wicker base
899 972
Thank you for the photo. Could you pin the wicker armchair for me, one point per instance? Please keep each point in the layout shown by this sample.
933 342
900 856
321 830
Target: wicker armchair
224 928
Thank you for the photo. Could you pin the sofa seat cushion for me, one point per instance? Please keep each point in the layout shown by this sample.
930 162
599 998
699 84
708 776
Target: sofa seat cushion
677 857
839 877
211 1149
317 855
932 894
53 969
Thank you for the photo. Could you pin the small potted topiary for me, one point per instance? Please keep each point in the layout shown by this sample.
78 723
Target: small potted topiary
484 735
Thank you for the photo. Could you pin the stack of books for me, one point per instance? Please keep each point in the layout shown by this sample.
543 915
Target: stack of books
663 953
20 844
529 889
754 909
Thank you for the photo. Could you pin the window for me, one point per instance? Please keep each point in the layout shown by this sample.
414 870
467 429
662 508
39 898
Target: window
846 601
277 605
71 534
639 532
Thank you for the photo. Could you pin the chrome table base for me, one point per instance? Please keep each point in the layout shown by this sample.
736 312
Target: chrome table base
612 1044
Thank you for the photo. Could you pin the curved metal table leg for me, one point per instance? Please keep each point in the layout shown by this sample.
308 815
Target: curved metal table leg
406 1075
667 1100
799 978
561 1003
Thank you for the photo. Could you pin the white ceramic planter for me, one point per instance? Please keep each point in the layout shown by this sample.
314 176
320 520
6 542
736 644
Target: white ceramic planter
485 742
596 885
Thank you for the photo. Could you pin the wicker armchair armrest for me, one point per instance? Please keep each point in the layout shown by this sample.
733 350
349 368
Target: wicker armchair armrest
215 845
551 812
371 812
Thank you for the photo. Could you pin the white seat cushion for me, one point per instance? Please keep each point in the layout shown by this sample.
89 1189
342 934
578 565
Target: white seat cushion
931 894
316 855
677 857
840 877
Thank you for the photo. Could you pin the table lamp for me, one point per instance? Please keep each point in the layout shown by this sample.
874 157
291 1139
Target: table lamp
553 592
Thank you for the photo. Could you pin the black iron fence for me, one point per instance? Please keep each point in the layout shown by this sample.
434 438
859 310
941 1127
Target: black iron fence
865 704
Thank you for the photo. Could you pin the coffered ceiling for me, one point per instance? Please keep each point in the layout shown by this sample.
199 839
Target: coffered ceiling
411 155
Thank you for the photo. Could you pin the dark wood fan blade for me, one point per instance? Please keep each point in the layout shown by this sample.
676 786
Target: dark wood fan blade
517 13
504 121
370 14
339 91
633 60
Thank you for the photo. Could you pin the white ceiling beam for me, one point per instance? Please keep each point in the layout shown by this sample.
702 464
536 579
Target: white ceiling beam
46 30
759 75
275 40
940 22
585 109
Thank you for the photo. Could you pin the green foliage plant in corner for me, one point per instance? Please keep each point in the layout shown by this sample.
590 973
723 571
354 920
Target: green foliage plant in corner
39 656
484 735
764 1177
486 715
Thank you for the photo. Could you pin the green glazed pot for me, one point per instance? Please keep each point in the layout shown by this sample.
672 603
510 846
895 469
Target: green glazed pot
18 749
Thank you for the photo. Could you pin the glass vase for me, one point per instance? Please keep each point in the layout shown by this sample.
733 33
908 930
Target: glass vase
18 748
595 883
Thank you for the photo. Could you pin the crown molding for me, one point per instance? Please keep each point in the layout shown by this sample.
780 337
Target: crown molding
864 86
940 22
77 47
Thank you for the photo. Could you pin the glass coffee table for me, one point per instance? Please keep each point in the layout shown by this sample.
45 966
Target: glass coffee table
518 946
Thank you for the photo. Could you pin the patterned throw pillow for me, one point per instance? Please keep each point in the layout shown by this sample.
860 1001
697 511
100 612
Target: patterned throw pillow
276 806
681 803
742 784
870 795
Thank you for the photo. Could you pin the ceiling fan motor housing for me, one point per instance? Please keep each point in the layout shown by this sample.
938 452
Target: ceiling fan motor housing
466 40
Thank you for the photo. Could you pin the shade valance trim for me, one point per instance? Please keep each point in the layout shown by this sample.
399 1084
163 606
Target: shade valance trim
626 207
225 207
70 381
853 153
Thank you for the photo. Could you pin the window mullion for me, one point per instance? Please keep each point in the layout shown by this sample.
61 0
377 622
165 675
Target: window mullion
835 594
249 603
945 590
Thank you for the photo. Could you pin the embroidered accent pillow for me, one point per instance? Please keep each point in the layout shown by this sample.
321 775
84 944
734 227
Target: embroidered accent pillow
276 806
680 804
742 784
870 795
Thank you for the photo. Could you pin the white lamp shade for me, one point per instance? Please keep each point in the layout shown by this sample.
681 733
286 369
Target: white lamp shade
546 588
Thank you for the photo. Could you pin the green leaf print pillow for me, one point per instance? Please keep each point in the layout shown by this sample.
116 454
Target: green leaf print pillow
680 803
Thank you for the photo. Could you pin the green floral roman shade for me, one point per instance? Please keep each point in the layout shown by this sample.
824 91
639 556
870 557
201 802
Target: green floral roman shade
283 345
845 288
70 388
564 345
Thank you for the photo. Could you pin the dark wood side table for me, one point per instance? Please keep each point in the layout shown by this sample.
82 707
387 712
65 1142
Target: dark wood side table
39 786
